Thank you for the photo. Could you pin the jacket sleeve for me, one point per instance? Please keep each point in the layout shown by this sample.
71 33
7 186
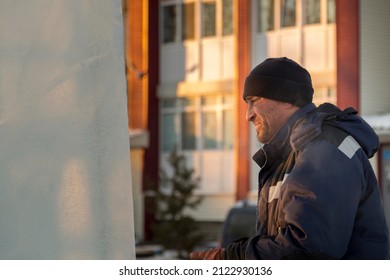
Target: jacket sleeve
236 250
317 206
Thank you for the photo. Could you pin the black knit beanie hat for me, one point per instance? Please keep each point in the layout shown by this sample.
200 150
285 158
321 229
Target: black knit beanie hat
280 79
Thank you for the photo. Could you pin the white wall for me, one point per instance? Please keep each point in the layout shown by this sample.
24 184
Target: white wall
65 187
374 57
374 73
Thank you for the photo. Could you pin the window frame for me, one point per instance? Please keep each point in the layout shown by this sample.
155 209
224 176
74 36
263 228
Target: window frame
300 15
222 106
179 32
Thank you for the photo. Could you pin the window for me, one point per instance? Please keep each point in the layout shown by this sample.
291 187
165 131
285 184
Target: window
188 131
204 123
210 137
209 122
266 15
312 11
188 21
169 132
169 23
324 94
208 19
288 13
227 17
179 18
331 11
228 121
170 129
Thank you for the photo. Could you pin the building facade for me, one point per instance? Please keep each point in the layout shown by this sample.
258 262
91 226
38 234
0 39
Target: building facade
200 54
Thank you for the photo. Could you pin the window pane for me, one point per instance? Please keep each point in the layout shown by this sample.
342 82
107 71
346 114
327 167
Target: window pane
188 131
169 23
209 130
228 126
188 21
169 103
313 11
331 11
266 15
189 102
227 15
169 132
287 13
208 19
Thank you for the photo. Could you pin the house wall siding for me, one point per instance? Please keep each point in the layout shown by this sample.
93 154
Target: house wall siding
374 56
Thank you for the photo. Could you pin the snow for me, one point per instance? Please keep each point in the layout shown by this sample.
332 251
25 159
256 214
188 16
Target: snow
380 123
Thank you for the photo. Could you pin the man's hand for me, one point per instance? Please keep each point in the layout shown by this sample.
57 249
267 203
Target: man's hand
211 254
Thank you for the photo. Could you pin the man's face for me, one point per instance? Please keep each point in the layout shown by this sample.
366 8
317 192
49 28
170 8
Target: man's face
267 115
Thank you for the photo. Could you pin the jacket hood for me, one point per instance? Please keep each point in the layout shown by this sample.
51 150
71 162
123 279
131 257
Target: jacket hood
347 120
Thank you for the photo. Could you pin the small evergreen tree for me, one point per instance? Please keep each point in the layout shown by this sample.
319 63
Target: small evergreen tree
174 228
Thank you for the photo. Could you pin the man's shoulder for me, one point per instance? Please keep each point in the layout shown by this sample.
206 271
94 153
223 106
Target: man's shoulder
318 124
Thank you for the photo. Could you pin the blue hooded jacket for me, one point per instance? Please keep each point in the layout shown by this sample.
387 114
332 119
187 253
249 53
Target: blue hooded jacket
318 195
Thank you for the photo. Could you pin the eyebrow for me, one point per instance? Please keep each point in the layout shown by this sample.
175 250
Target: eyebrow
248 98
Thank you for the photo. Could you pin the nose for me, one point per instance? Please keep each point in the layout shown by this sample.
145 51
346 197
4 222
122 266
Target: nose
250 114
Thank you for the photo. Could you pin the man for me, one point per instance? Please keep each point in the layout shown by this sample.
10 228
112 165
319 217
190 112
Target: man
318 195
